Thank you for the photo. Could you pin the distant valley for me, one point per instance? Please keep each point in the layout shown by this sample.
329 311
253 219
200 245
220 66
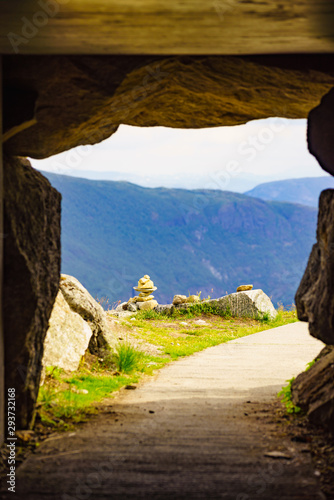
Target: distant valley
187 241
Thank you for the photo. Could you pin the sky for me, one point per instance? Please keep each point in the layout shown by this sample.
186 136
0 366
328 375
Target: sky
230 158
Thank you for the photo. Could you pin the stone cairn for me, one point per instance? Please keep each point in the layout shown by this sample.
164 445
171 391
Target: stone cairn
145 300
146 288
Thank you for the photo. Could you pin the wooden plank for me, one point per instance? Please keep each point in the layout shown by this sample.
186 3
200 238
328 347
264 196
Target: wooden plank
165 26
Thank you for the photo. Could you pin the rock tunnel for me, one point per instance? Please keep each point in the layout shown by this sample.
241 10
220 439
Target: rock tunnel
52 103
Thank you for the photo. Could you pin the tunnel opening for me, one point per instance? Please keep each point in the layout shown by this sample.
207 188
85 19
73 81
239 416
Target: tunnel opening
97 95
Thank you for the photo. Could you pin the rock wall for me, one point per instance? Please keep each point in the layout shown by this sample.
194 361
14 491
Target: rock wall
315 295
313 390
320 132
31 277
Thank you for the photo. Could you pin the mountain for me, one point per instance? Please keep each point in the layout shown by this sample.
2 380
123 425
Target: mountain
305 191
187 241
212 180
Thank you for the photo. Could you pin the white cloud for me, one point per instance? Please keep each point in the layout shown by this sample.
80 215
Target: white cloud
274 148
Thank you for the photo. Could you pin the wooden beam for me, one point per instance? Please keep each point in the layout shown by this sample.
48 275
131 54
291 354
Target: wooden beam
226 27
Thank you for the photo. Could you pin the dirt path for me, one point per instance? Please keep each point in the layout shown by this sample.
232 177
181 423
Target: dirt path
197 430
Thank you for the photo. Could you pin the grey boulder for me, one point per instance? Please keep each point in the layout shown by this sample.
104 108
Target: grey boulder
82 303
251 303
67 337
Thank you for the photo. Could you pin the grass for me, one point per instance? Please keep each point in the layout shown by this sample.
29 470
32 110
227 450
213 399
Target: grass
67 399
165 332
286 398
127 358
286 395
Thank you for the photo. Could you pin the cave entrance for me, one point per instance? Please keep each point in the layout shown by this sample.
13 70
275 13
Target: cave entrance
55 103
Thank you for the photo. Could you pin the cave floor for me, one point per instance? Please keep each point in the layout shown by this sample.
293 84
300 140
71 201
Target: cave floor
201 428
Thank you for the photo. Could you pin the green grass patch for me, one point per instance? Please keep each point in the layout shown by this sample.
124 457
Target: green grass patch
75 399
127 358
162 330
286 395
191 311
286 398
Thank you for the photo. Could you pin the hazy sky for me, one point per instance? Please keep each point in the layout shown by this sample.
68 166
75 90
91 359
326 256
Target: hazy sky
274 148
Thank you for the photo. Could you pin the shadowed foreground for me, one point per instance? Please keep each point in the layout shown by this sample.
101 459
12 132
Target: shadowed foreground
194 431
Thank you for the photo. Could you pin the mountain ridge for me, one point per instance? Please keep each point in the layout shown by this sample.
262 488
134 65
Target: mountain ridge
113 232
304 190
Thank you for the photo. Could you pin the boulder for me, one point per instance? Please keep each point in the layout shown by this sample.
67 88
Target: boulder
315 295
164 308
81 302
132 307
192 299
179 299
67 337
31 278
148 305
313 390
244 288
252 303
122 307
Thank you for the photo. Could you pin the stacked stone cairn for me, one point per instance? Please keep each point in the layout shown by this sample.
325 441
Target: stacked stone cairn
145 300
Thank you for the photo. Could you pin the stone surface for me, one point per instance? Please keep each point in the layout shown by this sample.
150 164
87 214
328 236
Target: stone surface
145 287
132 307
148 305
315 295
192 299
81 302
200 322
244 288
164 308
31 277
144 297
179 299
121 314
67 337
252 303
178 92
122 307
320 132
313 390
145 283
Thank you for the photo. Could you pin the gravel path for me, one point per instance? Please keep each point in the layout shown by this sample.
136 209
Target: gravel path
199 429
